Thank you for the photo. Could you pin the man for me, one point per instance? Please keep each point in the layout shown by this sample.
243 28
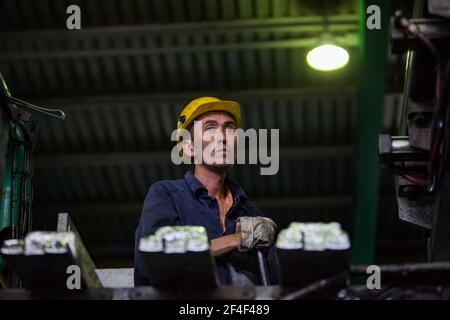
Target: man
208 198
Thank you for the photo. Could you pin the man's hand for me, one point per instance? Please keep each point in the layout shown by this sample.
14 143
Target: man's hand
225 244
256 232
251 232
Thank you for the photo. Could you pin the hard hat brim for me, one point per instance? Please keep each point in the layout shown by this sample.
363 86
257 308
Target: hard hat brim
230 107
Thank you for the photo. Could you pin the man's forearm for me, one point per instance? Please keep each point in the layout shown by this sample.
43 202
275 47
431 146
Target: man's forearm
225 244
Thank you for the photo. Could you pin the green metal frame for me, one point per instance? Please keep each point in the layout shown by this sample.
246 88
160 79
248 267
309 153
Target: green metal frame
373 45
16 185
14 164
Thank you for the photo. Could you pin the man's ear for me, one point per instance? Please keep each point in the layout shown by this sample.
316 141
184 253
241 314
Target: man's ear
188 148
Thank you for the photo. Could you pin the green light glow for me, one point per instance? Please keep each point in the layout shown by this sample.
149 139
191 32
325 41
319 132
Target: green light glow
327 57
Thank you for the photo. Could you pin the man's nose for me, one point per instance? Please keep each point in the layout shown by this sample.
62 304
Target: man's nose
221 135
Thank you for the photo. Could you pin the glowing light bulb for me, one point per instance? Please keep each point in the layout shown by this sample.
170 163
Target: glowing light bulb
327 57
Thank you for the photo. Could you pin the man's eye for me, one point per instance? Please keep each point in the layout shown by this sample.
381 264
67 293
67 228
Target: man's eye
210 129
230 130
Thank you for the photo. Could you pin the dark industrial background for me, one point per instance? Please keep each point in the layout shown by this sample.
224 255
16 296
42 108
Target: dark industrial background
124 77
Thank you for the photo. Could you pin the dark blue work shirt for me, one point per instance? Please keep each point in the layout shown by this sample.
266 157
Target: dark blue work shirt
186 202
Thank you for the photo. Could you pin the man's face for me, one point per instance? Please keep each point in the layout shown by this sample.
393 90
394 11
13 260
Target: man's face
214 131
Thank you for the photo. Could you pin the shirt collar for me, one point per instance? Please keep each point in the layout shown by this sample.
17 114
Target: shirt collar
236 190
197 187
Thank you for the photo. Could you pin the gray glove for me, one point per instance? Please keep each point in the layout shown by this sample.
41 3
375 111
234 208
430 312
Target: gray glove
256 232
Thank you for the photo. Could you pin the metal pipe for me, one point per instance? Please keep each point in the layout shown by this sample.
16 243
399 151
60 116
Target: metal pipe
262 268
316 287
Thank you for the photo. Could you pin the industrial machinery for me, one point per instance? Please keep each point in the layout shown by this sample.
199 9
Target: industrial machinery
17 136
419 155
178 257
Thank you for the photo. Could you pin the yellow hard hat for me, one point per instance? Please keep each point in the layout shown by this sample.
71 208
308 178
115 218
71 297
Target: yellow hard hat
201 105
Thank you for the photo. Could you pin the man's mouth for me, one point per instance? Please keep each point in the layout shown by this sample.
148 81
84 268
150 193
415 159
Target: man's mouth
223 149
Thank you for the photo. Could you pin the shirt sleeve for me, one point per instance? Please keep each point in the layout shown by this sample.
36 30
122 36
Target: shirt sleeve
158 211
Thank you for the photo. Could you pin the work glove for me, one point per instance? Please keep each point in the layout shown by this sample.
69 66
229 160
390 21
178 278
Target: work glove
256 232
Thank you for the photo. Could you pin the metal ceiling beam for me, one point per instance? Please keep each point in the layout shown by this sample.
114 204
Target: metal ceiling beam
136 207
348 40
333 201
289 24
135 158
252 95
